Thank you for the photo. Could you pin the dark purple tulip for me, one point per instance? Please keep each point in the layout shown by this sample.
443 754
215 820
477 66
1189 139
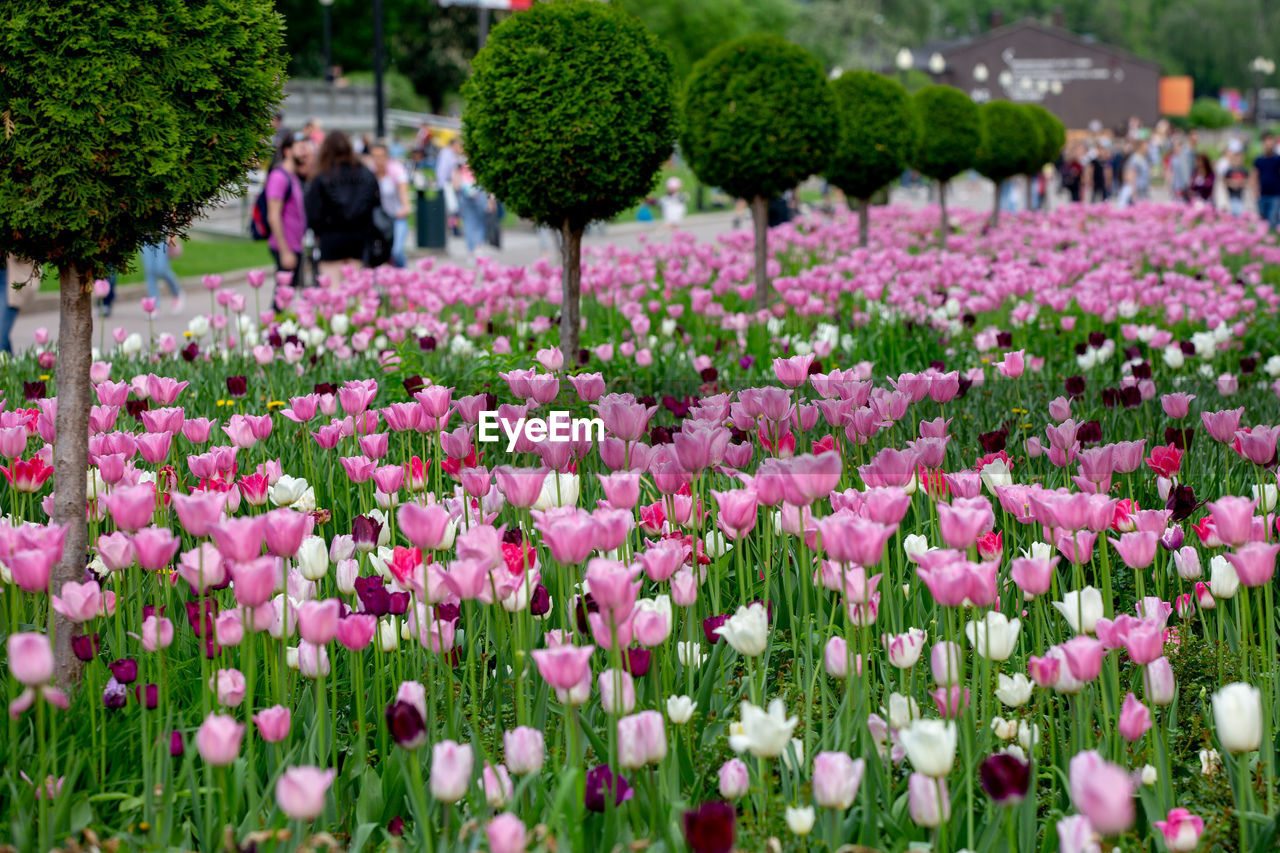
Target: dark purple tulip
396 826
373 595
746 361
406 725
427 343
637 662
601 781
1248 365
325 388
1179 437
115 695
148 694
1171 539
398 603
1006 778
540 602
1004 340
85 646
994 441
1131 396
34 390
447 611
709 374
190 352
710 624
1090 432
1110 398
413 384
1182 500
200 616
124 670
586 604
364 531
152 610
1097 339
1142 370
176 746
1075 386
237 386
135 408
710 828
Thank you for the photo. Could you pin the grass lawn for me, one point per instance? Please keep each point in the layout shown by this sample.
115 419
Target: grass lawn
200 256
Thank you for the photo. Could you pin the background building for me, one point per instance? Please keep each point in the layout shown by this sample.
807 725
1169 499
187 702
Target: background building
1077 79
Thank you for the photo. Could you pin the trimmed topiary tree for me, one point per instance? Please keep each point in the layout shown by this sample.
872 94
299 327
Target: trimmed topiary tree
570 113
758 118
1053 136
950 134
1012 144
122 120
879 131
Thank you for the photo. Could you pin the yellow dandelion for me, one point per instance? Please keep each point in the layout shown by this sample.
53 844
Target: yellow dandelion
275 404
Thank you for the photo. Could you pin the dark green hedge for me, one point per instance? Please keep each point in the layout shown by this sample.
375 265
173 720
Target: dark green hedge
951 132
879 131
122 119
1012 142
1052 131
570 112
759 117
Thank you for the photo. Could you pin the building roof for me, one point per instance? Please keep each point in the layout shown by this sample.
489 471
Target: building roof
949 48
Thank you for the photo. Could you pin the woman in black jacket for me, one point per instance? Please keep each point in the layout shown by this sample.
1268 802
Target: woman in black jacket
340 202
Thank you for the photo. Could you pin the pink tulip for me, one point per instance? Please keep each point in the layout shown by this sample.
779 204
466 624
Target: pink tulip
155 547
963 520
229 685
273 723
506 834
198 511
1222 425
1013 364
425 526
355 631
284 529
524 750
238 539
318 620
30 658
1177 406
928 801
157 633
132 506
1181 830
642 739
301 792
1137 549
451 766
1102 791
1254 562
218 739
1233 518
617 691
1083 656
563 667
1033 576
79 602
1135 719
202 567
255 580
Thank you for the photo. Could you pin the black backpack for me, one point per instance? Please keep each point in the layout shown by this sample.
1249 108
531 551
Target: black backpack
259 225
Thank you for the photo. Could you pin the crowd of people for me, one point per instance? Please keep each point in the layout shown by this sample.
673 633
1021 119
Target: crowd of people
1120 167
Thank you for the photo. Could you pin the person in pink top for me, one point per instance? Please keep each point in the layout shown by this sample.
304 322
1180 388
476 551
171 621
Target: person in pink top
393 185
286 207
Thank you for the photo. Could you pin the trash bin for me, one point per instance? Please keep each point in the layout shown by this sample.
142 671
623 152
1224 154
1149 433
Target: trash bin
431 220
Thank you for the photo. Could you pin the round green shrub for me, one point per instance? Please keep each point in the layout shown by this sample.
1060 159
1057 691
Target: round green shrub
951 132
1052 131
879 131
569 112
123 119
758 117
1012 142
1208 113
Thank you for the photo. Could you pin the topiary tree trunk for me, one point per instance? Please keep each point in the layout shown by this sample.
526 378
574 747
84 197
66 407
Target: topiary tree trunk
1030 179
864 221
942 204
995 208
570 289
760 219
71 450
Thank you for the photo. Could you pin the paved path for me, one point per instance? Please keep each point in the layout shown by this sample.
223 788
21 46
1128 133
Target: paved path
520 246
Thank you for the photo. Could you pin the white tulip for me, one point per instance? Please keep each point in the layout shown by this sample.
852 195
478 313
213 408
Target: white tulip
747 630
558 489
1210 762
199 326
1082 609
1015 691
690 654
1223 580
388 634
313 558
680 709
1149 775
1173 357
765 734
800 820
930 746
1237 714
902 710
1265 495
994 636
913 545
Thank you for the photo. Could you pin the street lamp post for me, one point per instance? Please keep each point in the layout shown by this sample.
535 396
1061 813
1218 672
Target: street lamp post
937 65
379 97
327 6
1261 67
904 60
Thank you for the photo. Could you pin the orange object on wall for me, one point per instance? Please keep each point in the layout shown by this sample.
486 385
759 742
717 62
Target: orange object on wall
1175 96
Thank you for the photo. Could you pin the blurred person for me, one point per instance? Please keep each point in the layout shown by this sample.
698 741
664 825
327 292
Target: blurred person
446 162
1181 165
19 283
393 191
313 131
1266 181
1100 177
1073 172
1202 181
156 268
340 200
673 203
1141 164
1236 179
286 204
472 206
279 133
